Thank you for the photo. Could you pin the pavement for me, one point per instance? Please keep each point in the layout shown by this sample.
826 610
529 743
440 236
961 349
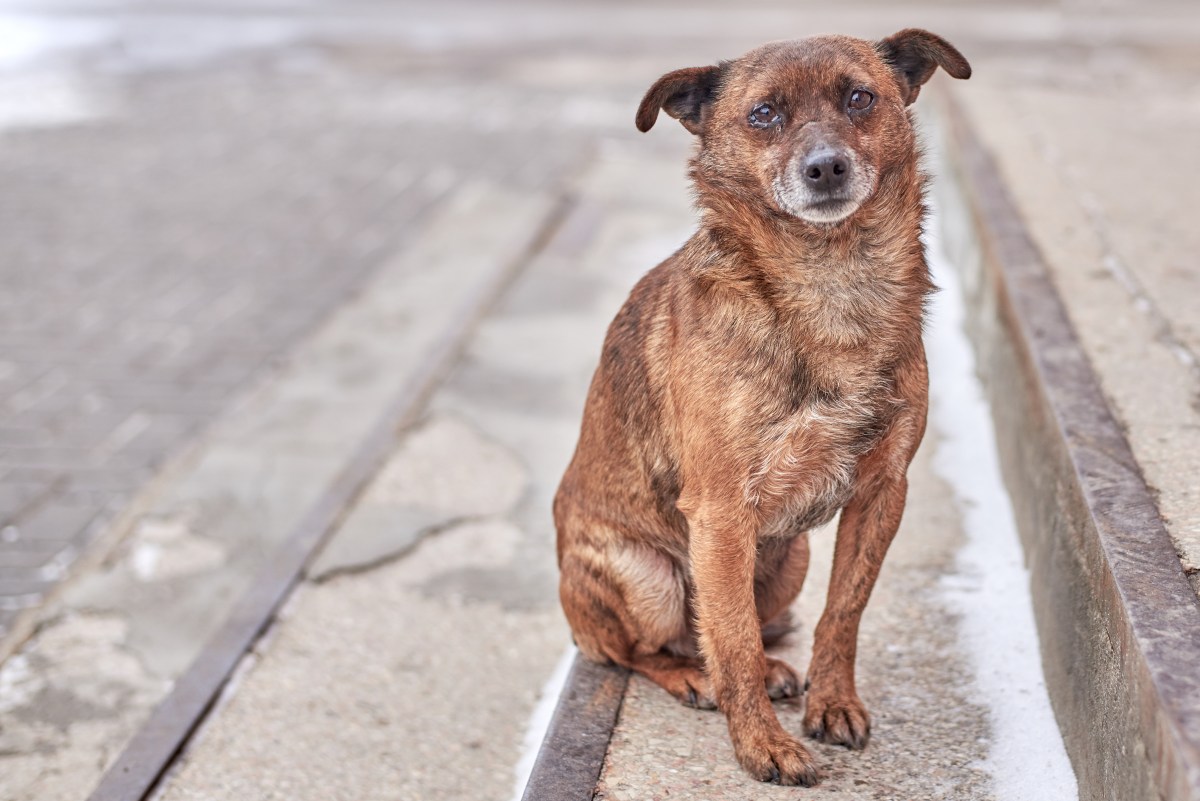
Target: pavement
151 219
234 231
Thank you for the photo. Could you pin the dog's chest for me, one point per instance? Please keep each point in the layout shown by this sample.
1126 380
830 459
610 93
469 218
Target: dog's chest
806 462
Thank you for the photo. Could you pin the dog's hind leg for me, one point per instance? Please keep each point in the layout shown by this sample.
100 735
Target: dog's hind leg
630 609
680 676
627 605
779 575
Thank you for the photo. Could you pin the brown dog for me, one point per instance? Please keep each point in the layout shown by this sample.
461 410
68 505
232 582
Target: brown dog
766 376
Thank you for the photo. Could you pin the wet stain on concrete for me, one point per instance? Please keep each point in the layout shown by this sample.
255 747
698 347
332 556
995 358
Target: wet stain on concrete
61 708
512 588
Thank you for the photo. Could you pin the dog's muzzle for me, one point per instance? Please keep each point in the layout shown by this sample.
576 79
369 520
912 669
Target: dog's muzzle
825 185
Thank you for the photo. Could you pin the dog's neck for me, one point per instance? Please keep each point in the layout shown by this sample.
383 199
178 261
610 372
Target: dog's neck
843 279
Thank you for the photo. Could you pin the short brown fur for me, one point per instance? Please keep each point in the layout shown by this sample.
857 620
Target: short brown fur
767 375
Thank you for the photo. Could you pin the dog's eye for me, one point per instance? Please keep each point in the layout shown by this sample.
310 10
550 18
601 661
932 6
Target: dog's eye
764 115
860 99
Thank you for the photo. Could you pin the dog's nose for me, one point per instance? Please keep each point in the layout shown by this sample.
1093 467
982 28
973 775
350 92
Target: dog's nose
826 171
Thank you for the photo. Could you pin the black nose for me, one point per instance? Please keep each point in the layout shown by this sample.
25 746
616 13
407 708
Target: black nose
826 171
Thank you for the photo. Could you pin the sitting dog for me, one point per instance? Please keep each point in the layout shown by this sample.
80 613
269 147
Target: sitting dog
765 377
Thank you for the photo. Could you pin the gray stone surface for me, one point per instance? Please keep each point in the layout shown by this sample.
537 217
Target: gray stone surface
464 629
159 252
442 473
140 618
374 535
1120 250
376 687
190 189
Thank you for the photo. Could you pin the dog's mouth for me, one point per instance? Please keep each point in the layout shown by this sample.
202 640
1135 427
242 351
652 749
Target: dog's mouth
828 210
823 208
823 205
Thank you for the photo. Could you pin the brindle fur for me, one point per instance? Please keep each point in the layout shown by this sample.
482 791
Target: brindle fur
766 376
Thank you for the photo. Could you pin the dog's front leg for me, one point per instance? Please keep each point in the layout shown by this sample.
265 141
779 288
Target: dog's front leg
833 712
722 546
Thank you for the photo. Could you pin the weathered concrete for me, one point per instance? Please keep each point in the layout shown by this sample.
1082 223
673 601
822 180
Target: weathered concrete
420 489
469 617
1120 625
68 702
386 684
199 538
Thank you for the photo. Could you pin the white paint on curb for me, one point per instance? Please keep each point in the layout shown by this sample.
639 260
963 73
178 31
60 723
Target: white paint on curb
539 721
989 589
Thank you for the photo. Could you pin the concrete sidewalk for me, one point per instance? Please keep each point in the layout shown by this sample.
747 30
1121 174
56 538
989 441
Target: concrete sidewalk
467 620
409 661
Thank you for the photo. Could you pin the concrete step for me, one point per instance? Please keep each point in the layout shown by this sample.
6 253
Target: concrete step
1118 620
1074 574
948 660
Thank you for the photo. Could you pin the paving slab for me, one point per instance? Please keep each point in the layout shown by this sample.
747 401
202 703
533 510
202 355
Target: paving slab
154 232
142 616
454 637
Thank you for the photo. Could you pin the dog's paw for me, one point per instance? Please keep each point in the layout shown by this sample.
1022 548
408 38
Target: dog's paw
699 698
840 720
779 759
782 681
693 689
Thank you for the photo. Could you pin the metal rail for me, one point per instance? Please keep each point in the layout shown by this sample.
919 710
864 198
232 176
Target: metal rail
572 753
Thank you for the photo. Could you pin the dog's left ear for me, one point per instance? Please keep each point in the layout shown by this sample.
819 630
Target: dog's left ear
686 95
914 54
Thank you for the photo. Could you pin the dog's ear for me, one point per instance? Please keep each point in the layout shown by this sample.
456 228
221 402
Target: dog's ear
914 54
686 95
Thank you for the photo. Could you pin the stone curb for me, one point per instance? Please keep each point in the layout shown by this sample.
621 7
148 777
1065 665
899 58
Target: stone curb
572 754
1118 622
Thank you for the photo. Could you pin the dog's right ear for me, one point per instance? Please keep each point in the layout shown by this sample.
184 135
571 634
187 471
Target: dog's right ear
914 54
685 94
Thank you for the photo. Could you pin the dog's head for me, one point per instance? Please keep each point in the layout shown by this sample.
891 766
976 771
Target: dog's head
810 124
